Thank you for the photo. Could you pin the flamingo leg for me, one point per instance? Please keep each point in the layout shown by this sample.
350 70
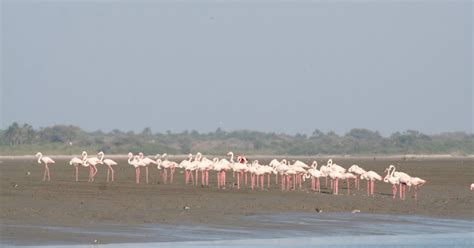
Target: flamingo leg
113 173
252 181
77 173
108 174
137 178
146 174
238 180
368 188
348 187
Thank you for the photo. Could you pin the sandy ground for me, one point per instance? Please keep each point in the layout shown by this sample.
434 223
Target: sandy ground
25 200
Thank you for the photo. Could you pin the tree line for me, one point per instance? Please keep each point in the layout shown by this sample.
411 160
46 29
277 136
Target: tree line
67 139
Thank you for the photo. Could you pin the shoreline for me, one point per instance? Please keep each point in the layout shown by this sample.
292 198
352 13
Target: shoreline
335 156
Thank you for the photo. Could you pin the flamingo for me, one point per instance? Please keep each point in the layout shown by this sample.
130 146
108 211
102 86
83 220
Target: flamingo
371 176
404 179
45 161
281 168
109 163
221 166
136 163
243 173
416 182
186 164
204 166
315 174
348 176
146 162
472 186
335 176
76 162
337 173
92 162
358 171
299 168
324 169
237 167
274 163
393 181
171 164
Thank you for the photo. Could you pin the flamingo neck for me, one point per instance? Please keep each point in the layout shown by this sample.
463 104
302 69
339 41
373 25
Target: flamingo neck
39 158
393 171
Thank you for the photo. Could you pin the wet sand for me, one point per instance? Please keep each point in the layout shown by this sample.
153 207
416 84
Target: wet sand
27 201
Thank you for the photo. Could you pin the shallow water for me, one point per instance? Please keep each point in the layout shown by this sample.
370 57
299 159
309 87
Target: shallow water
292 230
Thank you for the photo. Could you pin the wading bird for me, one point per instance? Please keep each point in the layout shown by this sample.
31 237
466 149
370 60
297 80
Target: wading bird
45 161
109 163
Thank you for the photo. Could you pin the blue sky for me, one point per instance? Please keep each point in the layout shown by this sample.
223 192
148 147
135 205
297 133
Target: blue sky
278 66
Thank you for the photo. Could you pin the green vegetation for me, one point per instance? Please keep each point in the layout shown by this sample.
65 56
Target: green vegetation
61 139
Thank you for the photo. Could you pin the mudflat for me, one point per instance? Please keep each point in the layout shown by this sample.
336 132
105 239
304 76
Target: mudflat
26 201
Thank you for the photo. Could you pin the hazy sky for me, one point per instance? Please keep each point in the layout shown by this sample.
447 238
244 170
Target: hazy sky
283 66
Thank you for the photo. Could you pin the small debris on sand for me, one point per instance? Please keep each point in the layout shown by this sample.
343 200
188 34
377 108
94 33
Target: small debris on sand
15 185
186 208
355 211
28 173
318 210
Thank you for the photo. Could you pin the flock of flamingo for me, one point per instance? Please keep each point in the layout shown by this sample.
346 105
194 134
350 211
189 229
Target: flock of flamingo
291 174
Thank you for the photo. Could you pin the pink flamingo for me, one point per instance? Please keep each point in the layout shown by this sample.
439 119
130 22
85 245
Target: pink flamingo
404 179
348 176
315 174
335 176
371 176
45 161
186 164
76 162
221 166
358 171
393 181
146 162
136 163
109 163
171 165
416 182
92 162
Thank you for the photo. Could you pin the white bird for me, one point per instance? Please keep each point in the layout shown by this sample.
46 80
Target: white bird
394 181
45 161
315 174
358 171
145 162
76 162
93 162
165 165
136 162
404 179
109 163
371 176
